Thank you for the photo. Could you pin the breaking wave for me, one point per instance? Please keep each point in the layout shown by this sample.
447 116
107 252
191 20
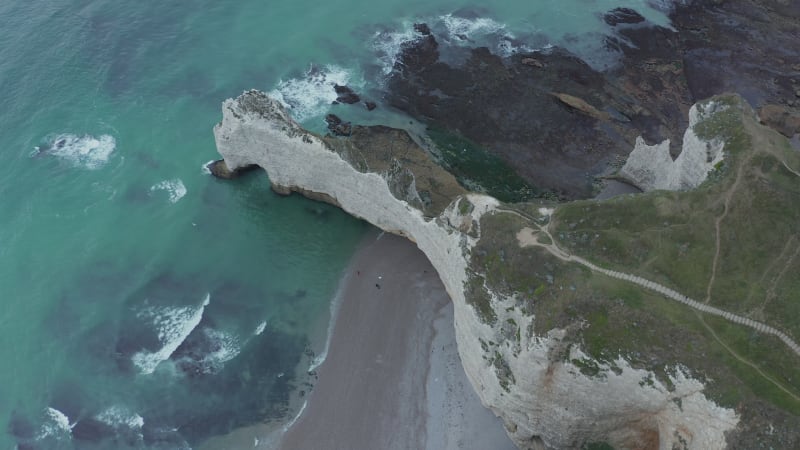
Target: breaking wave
389 44
84 151
175 188
173 325
117 417
56 424
205 170
454 30
312 94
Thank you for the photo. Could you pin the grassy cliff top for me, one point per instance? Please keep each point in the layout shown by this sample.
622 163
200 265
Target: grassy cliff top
733 243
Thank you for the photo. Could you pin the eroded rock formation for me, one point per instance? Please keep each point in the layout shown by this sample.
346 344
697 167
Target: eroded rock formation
546 401
650 167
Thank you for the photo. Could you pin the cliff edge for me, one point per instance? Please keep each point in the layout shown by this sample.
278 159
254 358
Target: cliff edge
534 365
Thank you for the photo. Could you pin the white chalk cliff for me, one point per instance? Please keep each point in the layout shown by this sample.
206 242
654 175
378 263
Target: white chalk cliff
650 167
548 402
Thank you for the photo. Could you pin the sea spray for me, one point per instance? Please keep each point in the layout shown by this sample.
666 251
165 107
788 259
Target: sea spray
311 94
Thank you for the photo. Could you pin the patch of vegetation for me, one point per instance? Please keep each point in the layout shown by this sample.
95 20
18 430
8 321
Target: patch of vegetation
503 371
724 120
597 446
669 237
477 169
465 206
587 367
479 298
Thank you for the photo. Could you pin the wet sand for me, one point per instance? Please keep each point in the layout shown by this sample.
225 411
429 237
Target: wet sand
393 378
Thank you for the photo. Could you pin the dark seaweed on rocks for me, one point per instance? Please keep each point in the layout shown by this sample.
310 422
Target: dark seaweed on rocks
510 106
549 145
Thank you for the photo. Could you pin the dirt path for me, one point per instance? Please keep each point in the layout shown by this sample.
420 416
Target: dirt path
717 226
527 237
745 361
790 169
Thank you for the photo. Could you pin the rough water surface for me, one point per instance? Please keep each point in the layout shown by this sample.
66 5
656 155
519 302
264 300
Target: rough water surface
146 304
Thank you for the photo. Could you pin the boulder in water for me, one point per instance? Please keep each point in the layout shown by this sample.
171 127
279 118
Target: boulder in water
346 95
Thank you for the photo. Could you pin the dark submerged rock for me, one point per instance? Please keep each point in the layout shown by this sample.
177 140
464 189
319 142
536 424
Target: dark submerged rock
622 16
370 105
92 430
338 127
20 427
422 28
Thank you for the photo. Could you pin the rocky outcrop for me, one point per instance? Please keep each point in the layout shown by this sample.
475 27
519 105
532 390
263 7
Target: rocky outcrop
346 95
220 170
380 174
780 118
712 47
622 16
650 167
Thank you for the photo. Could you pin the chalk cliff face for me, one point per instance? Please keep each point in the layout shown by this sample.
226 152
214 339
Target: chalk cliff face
650 167
544 400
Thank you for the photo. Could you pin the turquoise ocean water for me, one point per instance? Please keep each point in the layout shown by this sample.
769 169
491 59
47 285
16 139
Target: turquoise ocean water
144 304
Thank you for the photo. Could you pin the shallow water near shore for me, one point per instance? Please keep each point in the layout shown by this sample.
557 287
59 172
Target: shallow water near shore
144 303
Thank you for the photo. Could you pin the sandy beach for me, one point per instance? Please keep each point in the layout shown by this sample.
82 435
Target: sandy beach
393 378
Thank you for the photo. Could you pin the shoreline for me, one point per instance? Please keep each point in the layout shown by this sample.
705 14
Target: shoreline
392 378
389 375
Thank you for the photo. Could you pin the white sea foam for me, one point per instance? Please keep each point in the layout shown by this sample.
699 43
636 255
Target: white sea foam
461 26
260 328
226 347
455 30
334 312
175 188
86 151
389 44
299 413
118 416
312 94
173 324
56 424
485 31
205 169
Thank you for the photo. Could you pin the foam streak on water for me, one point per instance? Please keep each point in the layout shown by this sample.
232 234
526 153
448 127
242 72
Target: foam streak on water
174 325
261 327
175 188
117 416
226 347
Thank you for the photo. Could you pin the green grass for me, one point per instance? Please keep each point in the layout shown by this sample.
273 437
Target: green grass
669 237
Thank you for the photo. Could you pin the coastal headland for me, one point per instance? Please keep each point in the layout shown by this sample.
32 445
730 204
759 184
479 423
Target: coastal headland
656 320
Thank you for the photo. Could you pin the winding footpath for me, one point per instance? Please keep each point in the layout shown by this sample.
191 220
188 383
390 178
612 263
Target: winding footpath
653 286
